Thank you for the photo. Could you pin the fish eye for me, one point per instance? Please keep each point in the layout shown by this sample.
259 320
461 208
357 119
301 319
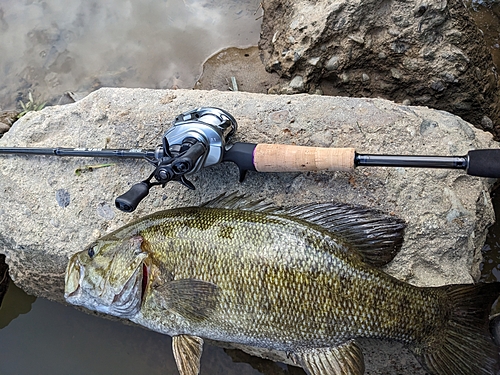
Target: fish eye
91 252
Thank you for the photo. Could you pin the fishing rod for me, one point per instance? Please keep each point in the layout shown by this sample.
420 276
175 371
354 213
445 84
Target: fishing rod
199 138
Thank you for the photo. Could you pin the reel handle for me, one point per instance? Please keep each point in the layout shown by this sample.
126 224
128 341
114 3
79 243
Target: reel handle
187 162
129 201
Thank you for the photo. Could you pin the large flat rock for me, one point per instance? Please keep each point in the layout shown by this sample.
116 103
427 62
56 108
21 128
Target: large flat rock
48 212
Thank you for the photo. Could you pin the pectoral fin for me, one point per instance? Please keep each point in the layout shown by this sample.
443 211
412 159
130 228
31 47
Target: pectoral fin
193 299
187 353
345 359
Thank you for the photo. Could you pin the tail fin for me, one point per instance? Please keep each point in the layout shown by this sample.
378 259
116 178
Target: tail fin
465 346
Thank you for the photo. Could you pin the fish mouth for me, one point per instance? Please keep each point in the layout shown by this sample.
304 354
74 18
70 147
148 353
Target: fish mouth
128 301
125 302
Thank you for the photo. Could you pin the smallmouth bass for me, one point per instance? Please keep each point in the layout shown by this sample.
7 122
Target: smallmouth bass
304 280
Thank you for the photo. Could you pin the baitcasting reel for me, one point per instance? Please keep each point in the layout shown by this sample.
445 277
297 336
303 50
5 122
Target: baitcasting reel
196 140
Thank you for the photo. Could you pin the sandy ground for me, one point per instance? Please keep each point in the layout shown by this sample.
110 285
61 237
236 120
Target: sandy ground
242 64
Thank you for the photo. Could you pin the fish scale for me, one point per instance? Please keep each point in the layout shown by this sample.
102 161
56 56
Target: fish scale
299 271
301 280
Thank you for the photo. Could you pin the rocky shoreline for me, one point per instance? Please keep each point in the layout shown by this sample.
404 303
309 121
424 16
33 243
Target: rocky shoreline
447 212
418 56
413 53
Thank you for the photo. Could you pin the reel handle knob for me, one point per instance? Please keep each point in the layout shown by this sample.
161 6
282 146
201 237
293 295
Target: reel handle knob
186 162
129 201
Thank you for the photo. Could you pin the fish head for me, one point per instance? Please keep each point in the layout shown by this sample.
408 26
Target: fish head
109 276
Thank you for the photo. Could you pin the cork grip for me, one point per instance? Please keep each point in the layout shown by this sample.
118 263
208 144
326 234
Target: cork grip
287 158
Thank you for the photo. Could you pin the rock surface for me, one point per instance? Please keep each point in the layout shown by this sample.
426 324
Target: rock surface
49 212
414 52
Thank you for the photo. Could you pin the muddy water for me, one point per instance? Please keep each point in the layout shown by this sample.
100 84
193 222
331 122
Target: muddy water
487 16
49 47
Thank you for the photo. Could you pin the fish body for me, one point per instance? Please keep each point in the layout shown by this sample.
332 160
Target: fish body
302 280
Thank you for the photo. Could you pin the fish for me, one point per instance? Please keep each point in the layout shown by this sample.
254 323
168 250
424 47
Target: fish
495 328
305 280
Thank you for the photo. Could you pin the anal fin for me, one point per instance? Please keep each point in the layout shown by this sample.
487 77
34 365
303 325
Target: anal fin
344 359
187 353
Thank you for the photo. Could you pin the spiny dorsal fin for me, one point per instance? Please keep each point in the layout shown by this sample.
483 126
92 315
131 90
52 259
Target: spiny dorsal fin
193 299
378 237
187 353
345 359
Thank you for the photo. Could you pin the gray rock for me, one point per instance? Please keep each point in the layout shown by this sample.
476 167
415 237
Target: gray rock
7 118
297 83
4 128
332 63
63 198
49 212
409 50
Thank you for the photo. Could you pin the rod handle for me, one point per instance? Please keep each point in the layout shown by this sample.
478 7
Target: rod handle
289 158
484 163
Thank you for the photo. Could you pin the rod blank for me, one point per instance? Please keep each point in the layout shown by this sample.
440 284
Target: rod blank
450 162
80 152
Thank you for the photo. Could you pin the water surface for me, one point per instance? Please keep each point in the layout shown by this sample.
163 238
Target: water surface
49 47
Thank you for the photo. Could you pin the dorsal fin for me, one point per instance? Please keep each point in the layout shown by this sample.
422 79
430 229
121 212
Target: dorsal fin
378 237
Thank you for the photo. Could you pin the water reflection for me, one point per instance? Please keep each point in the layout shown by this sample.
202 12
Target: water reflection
54 46
15 303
